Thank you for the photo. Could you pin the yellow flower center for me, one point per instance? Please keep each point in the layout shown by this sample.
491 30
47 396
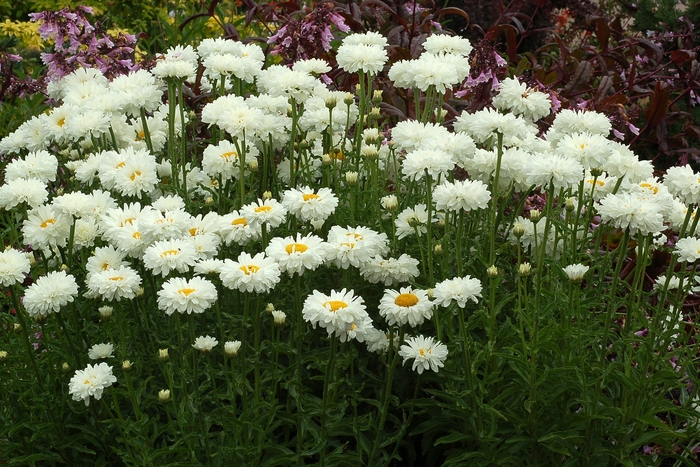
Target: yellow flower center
250 269
353 326
185 292
121 164
406 300
263 209
335 305
193 231
597 182
169 253
348 244
240 221
61 122
137 235
134 175
129 221
649 187
117 278
48 222
583 145
422 352
228 155
309 196
296 248
141 135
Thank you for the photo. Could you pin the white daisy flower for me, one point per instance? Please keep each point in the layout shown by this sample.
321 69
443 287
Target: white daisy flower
575 272
296 255
23 190
306 204
411 221
521 100
688 249
630 211
390 271
165 256
355 57
335 312
205 343
91 382
458 289
100 351
427 354
406 306
269 211
44 228
39 165
235 228
444 44
464 195
14 265
49 293
186 296
114 284
432 162
353 246
257 273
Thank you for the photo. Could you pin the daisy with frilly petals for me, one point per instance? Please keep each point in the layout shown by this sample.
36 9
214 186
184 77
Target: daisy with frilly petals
688 249
390 271
408 305
306 204
464 195
49 293
168 255
44 228
631 211
431 161
335 312
14 265
100 351
296 255
235 227
91 382
426 353
269 212
258 273
458 289
205 343
186 296
353 246
114 284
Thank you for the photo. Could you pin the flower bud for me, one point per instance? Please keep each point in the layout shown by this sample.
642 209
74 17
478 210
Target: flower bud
253 165
431 294
596 172
518 230
267 195
351 178
331 101
105 312
126 365
326 159
279 317
65 367
374 114
370 152
163 355
492 271
377 97
535 215
209 201
437 249
317 224
524 269
231 348
164 395
17 327
570 204
140 292
349 99
3 355
390 202
270 308
64 267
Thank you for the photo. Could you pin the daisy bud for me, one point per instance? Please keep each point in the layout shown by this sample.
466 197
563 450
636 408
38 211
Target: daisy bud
575 272
331 101
303 144
231 348
570 204
65 367
596 172
524 269
17 327
317 224
492 271
164 395
59 192
437 249
270 308
431 294
279 317
163 355
377 97
32 259
349 99
140 292
209 201
267 195
253 165
535 215
64 267
518 230
351 178
374 114
370 152
105 312
126 365
326 159
390 202
3 355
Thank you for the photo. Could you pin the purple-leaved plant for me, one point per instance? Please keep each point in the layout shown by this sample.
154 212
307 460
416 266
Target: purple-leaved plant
78 43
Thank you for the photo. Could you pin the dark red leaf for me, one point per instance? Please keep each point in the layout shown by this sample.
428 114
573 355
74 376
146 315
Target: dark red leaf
658 107
602 31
